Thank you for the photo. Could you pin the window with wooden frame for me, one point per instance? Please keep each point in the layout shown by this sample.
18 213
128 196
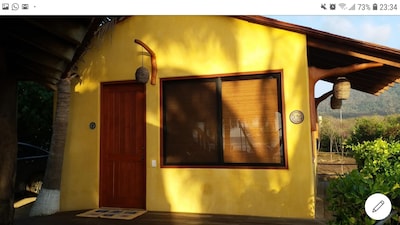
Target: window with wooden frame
225 121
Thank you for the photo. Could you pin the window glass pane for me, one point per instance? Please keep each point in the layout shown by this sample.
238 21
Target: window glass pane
190 122
251 121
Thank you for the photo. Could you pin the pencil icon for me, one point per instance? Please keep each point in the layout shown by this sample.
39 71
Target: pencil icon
378 206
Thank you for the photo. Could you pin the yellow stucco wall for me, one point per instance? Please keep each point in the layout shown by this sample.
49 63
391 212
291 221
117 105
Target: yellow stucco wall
194 45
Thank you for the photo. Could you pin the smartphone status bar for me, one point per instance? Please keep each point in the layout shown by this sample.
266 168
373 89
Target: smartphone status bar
198 7
365 8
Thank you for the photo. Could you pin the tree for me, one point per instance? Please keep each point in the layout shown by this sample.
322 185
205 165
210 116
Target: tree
48 200
333 132
329 132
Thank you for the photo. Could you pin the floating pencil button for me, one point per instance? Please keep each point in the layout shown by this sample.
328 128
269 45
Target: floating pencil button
378 206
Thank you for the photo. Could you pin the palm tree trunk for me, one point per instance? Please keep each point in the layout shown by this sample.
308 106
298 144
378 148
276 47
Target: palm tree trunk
8 147
48 200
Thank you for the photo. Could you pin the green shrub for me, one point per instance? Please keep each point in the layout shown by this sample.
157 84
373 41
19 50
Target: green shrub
372 128
392 129
35 114
366 129
378 157
346 196
378 172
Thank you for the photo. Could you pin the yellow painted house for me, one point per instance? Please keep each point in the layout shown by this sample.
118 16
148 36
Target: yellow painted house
225 124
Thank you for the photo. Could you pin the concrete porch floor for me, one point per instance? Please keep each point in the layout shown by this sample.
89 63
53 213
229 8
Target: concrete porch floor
164 218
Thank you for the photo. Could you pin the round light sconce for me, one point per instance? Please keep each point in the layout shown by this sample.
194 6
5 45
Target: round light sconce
142 75
336 103
341 88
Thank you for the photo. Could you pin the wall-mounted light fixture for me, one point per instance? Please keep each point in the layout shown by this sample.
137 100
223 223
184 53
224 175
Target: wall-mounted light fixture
341 88
142 75
336 103
141 71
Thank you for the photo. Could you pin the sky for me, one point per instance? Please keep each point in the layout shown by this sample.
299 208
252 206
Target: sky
383 30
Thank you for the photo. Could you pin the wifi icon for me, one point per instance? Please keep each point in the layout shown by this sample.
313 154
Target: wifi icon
342 6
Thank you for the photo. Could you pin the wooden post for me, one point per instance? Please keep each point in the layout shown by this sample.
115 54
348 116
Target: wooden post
8 143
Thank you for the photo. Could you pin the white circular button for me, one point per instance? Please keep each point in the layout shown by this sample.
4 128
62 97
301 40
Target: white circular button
378 206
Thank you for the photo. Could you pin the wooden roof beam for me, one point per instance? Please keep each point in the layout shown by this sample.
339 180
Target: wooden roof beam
319 74
22 75
44 60
46 44
316 74
368 57
65 29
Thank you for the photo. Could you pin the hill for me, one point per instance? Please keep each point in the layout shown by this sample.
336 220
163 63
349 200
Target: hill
363 104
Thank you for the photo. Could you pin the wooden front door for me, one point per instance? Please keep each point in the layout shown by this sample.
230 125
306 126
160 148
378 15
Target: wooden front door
122 145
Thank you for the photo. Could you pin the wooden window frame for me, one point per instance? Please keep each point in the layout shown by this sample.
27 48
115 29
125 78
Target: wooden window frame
231 76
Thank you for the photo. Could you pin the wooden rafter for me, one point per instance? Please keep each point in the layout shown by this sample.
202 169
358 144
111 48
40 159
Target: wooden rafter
355 54
316 74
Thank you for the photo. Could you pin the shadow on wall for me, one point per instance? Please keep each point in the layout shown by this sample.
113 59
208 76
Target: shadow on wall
222 190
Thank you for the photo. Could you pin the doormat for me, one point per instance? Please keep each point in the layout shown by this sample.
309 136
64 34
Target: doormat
113 213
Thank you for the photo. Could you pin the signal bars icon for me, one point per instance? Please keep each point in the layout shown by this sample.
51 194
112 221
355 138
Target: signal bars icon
343 6
332 6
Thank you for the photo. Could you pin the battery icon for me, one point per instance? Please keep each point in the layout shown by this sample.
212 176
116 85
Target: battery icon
374 6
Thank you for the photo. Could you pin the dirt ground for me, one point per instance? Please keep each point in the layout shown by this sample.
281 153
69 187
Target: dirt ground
333 164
